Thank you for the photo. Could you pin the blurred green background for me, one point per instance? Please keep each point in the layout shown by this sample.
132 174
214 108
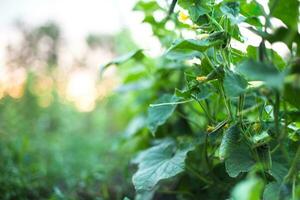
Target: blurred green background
61 124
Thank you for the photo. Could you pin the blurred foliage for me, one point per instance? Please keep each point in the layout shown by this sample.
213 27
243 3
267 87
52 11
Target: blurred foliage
213 120
48 149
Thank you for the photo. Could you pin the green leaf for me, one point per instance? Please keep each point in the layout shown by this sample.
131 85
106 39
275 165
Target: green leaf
274 56
160 111
196 8
158 163
258 71
185 94
144 195
239 159
189 47
231 10
278 170
249 189
234 84
281 34
287 11
229 141
264 154
183 49
148 7
134 126
251 9
278 191
217 73
137 55
292 89
272 191
182 54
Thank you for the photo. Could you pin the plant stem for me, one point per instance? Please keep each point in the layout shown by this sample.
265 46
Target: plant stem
240 108
206 112
293 168
176 192
171 103
276 113
188 119
215 22
294 189
226 102
199 176
206 158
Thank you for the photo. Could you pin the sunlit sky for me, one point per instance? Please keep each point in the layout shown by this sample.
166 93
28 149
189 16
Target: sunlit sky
77 18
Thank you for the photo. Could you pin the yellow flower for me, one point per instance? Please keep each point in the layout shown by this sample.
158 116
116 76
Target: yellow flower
202 36
210 128
201 78
226 126
256 127
182 16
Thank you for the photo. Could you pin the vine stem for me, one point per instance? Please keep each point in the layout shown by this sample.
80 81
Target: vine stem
276 109
215 22
176 192
200 177
276 113
206 158
210 119
240 108
188 119
294 189
226 102
293 168
171 103
221 89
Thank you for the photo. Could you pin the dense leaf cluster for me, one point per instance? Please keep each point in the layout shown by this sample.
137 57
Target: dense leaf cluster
225 122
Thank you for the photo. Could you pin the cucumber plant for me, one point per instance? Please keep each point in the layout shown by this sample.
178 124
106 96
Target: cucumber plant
213 120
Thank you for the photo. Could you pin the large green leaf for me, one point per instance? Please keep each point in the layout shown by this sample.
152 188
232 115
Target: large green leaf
229 141
189 47
236 152
158 163
259 71
239 160
278 170
160 111
287 11
249 189
183 49
234 84
278 191
272 191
